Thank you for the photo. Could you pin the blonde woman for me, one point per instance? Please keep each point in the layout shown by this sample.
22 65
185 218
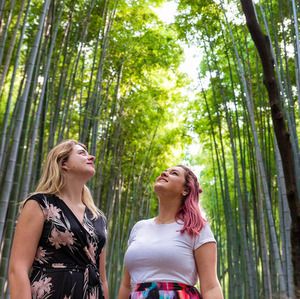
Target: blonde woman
58 249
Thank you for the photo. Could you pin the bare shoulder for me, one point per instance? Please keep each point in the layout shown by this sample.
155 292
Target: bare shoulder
28 231
31 213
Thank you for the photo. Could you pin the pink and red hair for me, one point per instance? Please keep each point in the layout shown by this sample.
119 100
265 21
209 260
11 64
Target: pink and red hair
189 212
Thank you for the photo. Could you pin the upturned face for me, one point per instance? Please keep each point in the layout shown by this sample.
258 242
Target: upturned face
171 182
80 162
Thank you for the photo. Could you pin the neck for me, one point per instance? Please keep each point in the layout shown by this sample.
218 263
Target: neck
167 210
72 192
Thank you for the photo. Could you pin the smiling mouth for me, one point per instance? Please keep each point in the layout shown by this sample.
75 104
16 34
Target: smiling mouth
162 179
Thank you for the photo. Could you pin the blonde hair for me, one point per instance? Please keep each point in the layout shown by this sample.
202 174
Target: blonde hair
53 180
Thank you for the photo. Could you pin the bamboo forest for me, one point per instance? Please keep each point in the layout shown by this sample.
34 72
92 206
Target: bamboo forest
113 74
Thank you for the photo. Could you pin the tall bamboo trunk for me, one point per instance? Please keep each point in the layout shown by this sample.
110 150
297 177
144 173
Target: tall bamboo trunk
2 3
55 121
297 52
285 220
4 32
262 172
11 47
7 186
11 88
282 135
37 117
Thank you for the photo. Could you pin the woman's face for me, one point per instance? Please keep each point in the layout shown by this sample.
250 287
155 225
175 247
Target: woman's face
171 182
80 162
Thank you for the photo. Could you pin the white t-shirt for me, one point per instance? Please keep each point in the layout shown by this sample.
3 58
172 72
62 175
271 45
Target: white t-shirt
159 252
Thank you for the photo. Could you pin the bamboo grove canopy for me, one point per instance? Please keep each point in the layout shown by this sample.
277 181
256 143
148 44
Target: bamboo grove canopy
109 73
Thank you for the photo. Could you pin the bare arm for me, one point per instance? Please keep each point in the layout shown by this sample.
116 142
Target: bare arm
206 260
125 287
102 270
26 239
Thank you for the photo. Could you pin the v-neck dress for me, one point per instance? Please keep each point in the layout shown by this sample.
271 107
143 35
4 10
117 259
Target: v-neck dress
67 259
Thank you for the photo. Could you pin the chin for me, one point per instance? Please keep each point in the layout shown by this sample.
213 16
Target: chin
158 187
91 173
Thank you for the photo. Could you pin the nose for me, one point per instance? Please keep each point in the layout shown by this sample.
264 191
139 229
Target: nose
92 158
164 173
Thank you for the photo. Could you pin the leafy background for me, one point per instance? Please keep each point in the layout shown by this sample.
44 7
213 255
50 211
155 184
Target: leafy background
108 73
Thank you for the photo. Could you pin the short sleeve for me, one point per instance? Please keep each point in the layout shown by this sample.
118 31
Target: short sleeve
205 236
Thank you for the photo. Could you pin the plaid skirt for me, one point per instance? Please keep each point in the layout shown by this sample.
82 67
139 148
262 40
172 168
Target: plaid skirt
164 290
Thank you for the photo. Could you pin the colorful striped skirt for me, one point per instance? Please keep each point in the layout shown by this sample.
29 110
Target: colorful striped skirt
164 290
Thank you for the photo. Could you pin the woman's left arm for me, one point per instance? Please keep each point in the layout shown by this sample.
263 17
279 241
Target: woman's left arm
102 270
206 261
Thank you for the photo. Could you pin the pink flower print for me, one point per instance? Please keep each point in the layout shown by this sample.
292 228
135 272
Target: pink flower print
66 238
92 295
52 212
87 252
55 238
59 238
92 252
40 255
41 288
88 227
69 297
85 280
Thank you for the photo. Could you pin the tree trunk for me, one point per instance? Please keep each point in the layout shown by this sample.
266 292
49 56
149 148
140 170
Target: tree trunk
11 46
297 46
11 88
285 224
4 33
262 44
7 184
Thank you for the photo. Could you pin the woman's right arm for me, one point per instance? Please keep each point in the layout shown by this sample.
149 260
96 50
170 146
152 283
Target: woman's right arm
26 239
125 287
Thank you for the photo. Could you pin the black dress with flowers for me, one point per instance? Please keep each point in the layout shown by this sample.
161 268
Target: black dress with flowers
67 259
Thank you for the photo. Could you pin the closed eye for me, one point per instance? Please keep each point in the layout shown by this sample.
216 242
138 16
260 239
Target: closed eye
83 153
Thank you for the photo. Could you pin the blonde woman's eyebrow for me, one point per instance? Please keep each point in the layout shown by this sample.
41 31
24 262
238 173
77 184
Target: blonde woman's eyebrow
82 151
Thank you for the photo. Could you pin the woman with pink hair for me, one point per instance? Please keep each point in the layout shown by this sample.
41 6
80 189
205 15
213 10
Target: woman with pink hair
168 253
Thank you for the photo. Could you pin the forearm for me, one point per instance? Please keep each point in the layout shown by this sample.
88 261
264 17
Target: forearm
213 293
19 286
124 292
105 289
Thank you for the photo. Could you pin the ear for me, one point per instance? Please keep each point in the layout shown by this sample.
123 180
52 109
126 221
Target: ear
184 193
64 166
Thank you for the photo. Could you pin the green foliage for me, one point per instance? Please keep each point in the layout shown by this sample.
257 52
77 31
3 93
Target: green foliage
114 81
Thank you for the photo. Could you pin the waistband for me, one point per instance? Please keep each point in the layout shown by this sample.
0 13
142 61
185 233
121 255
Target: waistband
92 271
162 285
62 267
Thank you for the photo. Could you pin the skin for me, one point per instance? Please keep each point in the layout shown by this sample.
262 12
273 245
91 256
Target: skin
125 287
206 261
29 227
169 188
102 271
79 168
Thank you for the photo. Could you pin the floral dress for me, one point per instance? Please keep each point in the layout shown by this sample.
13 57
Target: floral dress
67 258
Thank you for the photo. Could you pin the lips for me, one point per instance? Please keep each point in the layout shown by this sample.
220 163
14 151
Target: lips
162 179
